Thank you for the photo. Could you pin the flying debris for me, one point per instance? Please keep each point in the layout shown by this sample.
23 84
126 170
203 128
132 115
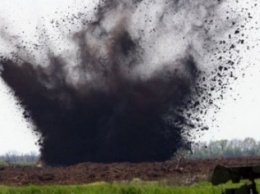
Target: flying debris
125 84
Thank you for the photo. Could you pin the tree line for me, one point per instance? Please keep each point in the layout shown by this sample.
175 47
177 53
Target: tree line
16 158
234 148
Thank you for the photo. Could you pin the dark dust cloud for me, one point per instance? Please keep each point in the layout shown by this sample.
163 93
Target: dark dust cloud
126 82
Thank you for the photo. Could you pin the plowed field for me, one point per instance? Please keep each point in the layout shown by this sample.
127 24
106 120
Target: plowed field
175 172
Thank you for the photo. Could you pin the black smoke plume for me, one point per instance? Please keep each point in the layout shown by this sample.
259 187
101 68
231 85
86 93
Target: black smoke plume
124 90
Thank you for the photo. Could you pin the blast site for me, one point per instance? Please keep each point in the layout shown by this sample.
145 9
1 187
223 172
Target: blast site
114 90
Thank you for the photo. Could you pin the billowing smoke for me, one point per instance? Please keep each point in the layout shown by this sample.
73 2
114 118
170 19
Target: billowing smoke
129 85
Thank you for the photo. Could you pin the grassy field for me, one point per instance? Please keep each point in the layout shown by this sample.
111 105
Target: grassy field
138 187
3 163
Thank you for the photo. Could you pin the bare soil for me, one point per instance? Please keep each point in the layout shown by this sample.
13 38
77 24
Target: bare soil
175 172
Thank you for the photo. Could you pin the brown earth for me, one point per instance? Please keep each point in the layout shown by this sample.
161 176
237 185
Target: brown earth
173 172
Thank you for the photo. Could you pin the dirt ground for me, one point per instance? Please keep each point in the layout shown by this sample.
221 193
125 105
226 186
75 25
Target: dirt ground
173 172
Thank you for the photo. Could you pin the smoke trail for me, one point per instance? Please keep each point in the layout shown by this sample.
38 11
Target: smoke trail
129 86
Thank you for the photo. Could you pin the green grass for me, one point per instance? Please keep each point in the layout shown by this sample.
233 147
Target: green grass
3 163
136 187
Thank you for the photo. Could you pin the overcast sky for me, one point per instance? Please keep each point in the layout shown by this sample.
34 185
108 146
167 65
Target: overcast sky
238 118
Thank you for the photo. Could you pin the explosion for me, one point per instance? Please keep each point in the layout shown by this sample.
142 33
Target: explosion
130 86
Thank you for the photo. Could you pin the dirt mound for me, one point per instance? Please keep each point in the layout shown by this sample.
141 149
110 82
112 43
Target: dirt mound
177 172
